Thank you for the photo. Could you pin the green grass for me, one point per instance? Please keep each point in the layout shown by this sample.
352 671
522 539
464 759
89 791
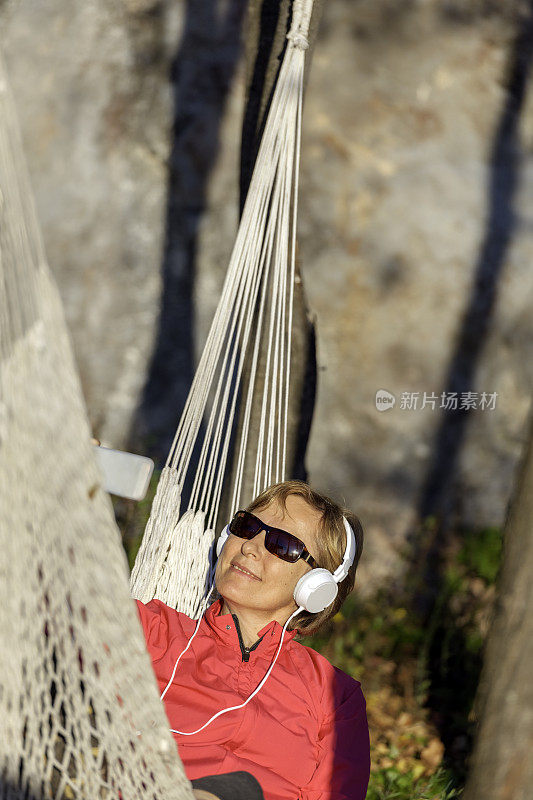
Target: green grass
481 553
390 784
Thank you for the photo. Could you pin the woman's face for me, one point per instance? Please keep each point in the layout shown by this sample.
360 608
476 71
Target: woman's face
268 590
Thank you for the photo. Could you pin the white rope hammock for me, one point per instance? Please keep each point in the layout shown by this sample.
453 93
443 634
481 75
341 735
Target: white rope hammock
254 313
76 684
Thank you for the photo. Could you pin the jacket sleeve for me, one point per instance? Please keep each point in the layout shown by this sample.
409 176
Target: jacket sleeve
343 767
155 623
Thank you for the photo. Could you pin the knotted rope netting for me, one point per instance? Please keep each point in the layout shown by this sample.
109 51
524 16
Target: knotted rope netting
80 715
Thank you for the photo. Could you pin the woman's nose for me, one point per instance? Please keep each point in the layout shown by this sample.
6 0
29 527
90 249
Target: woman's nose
254 546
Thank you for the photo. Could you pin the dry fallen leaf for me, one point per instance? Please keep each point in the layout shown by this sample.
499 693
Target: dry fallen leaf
433 753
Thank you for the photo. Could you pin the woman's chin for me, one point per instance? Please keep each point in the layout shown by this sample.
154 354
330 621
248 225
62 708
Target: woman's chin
232 592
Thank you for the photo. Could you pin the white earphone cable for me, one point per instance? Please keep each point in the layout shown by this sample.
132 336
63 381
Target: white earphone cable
255 691
165 690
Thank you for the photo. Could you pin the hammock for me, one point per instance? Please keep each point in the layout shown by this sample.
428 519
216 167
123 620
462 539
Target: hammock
76 683
79 706
254 312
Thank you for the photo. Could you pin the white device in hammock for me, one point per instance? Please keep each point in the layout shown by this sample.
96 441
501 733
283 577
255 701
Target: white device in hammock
124 474
314 592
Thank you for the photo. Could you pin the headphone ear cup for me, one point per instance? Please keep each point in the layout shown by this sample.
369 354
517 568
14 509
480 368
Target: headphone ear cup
316 590
222 539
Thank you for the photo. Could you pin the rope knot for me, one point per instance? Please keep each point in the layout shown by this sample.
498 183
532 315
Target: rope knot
298 40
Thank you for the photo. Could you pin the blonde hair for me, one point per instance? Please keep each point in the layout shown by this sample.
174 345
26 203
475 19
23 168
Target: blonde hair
331 543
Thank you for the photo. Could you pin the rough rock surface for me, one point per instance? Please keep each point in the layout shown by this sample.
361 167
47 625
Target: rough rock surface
415 228
91 85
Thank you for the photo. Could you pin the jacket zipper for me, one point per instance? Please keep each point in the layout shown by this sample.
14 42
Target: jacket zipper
245 651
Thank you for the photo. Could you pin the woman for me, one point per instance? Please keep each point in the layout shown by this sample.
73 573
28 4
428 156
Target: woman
304 734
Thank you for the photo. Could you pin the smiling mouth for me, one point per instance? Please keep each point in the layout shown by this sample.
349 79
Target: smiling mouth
244 571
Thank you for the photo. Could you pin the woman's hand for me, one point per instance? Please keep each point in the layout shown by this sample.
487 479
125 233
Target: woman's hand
200 794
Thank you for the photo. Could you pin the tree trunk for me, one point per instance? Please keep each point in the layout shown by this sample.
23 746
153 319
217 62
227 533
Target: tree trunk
502 764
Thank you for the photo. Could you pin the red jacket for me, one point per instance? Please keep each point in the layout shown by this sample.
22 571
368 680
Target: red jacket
304 736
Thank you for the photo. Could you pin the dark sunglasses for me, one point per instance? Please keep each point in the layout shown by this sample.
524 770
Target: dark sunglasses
280 543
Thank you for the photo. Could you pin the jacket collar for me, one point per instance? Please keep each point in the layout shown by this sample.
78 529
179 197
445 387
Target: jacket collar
223 625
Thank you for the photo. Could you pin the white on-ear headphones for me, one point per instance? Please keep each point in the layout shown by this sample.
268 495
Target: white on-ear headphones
317 589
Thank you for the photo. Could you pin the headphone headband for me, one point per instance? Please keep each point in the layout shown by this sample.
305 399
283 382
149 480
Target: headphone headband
349 553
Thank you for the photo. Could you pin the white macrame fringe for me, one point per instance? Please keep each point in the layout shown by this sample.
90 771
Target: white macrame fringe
254 315
148 567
